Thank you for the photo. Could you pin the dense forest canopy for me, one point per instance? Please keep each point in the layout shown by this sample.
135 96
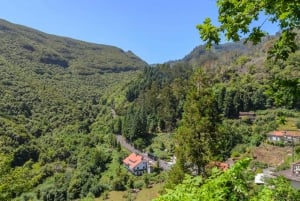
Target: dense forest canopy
64 101
56 96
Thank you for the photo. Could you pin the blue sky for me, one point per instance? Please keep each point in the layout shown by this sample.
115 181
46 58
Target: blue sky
155 30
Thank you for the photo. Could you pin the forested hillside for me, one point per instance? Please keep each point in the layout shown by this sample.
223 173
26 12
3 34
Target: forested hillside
241 78
263 82
56 96
200 97
30 48
63 101
212 130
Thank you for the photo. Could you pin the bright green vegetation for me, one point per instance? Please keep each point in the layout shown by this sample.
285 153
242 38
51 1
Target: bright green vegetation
56 133
217 93
235 18
162 145
62 102
156 98
233 184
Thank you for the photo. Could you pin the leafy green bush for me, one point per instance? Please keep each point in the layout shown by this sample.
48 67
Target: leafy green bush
298 124
139 184
238 150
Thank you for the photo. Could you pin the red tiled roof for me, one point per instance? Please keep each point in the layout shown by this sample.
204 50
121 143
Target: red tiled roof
278 133
220 165
285 133
133 160
223 166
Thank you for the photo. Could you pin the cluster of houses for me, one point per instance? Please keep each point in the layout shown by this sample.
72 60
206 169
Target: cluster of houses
293 174
138 164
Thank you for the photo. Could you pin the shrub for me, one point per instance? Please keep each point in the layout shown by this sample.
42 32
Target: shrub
138 184
238 149
297 149
298 124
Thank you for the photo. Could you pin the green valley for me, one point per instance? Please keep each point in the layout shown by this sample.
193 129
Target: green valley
68 108
56 125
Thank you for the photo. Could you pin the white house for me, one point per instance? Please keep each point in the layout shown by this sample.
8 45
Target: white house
136 164
284 136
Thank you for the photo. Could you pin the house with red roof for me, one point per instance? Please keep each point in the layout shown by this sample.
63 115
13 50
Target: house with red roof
284 136
136 164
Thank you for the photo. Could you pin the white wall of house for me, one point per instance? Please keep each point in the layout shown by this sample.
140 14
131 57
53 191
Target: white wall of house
139 169
141 166
274 138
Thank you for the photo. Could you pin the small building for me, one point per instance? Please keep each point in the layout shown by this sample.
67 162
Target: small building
259 178
136 164
284 136
262 178
247 115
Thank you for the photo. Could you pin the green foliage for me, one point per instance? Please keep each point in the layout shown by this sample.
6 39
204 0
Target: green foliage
158 95
30 46
62 101
235 18
233 184
56 121
134 124
176 175
247 95
230 185
282 191
162 145
298 124
15 181
198 142
284 86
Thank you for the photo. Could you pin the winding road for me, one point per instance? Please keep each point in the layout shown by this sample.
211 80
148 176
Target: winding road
162 163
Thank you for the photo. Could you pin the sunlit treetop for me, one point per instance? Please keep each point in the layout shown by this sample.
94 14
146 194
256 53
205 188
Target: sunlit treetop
235 17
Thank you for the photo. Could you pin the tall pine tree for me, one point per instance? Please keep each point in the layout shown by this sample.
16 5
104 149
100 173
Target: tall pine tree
197 137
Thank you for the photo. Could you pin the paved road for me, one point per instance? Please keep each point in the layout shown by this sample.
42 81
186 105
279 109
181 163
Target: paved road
162 163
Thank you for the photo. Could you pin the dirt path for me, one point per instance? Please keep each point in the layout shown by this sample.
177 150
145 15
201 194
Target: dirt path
126 145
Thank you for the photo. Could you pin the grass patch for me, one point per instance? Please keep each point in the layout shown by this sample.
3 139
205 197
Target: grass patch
162 145
290 124
145 194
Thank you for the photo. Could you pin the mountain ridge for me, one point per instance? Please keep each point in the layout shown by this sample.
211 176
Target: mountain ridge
18 41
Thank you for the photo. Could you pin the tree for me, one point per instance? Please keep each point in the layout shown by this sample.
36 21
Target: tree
134 125
230 185
233 184
284 85
236 16
197 136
